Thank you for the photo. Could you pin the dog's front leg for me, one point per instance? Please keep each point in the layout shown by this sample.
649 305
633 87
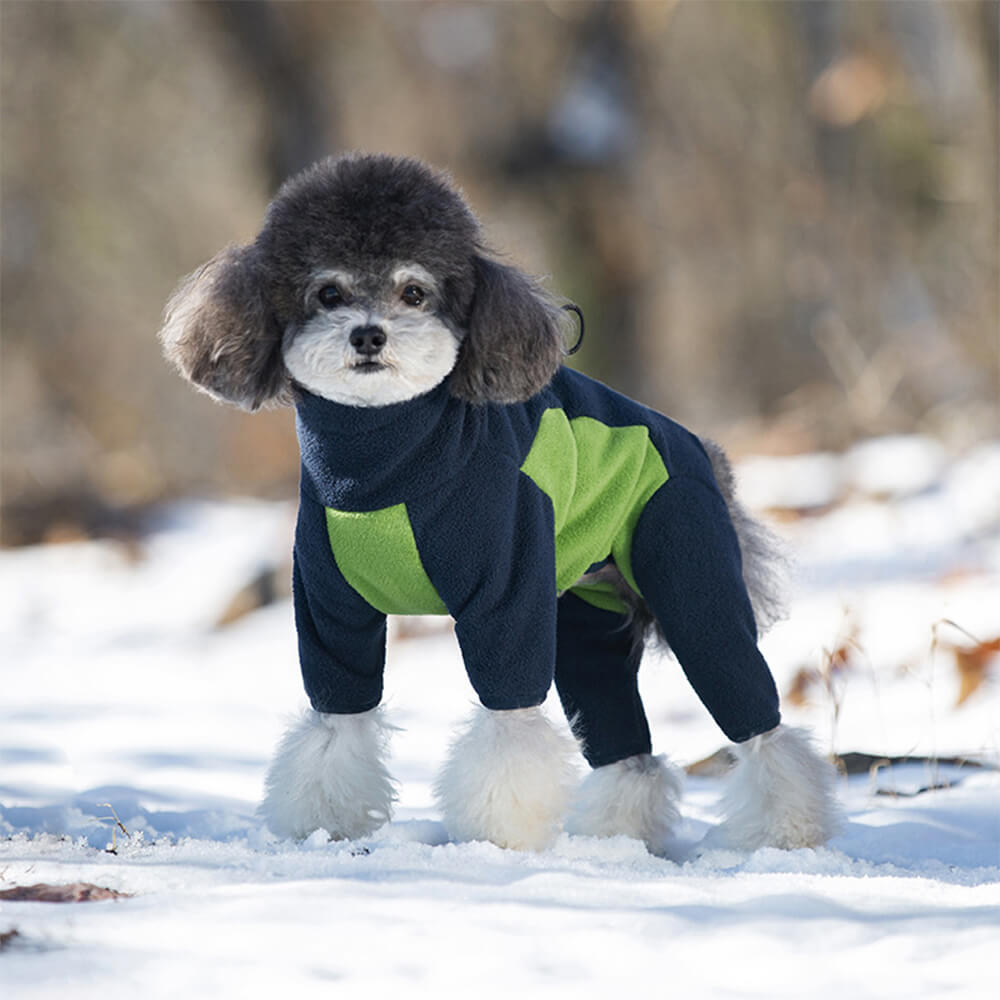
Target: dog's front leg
329 773
507 779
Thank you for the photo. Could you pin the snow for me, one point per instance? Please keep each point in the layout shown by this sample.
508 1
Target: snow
120 693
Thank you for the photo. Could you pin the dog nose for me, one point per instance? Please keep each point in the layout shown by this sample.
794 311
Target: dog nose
368 340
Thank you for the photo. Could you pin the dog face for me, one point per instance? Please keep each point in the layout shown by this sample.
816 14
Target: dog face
367 285
369 340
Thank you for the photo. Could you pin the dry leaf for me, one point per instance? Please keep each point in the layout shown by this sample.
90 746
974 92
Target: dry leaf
74 892
973 665
802 684
852 88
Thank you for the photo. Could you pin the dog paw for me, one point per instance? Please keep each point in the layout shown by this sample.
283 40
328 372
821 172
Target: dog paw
329 774
636 797
782 793
507 779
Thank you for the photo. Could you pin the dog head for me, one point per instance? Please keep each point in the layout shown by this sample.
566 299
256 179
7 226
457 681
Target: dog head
368 284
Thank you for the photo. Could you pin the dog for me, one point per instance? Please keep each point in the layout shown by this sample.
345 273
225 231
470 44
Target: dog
452 464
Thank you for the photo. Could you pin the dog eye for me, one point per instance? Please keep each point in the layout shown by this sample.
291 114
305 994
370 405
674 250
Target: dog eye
329 296
413 295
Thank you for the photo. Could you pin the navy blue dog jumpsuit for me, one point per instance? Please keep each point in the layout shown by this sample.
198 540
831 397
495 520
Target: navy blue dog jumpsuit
492 514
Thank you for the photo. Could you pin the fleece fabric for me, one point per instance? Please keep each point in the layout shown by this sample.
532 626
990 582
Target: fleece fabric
492 514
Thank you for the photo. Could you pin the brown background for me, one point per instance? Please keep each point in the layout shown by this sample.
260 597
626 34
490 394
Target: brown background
780 218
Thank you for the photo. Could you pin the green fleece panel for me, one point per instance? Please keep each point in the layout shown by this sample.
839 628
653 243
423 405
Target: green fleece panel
377 555
598 478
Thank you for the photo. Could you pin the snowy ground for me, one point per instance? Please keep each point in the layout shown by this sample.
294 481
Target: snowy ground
116 687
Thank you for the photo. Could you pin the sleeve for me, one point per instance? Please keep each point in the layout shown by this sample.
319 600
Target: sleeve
489 549
341 637
686 560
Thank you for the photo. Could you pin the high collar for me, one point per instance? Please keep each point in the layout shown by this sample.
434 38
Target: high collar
360 458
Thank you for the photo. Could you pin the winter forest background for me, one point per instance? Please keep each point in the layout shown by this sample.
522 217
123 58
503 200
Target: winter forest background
780 219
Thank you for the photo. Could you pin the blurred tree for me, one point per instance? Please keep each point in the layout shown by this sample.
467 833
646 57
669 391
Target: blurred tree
276 57
780 218
579 153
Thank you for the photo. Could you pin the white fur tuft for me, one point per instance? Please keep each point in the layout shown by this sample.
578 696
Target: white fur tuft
507 779
329 774
636 797
419 353
782 793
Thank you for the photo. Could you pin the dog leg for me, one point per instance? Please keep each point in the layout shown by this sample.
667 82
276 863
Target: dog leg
329 774
507 779
636 797
781 794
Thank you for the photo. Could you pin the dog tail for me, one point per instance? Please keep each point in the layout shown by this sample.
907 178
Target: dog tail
765 559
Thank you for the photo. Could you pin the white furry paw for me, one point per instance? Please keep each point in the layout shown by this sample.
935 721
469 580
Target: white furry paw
636 797
329 774
507 779
782 793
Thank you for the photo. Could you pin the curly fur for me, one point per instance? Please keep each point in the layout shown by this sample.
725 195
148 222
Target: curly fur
220 333
329 773
515 341
225 325
636 797
765 564
781 794
507 779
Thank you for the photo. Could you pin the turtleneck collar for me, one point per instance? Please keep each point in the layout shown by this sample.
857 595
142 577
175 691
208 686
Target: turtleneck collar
359 458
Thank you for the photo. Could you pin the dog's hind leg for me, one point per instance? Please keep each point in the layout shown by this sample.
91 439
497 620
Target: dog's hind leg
782 793
507 779
687 562
629 792
597 667
635 797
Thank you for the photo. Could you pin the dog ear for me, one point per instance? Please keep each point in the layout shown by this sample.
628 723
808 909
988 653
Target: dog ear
222 335
514 341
